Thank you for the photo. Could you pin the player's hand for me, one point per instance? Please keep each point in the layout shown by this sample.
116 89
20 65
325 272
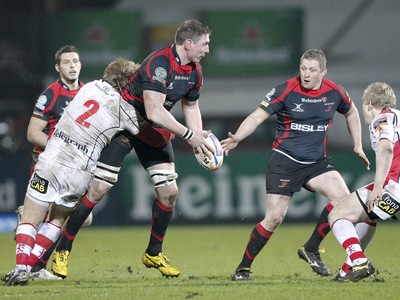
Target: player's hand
229 143
361 154
375 197
199 144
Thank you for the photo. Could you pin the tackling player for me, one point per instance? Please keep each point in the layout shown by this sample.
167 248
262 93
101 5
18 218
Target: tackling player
305 107
379 199
65 168
48 110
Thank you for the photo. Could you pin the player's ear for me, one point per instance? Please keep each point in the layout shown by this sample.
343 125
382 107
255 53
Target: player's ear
57 67
187 44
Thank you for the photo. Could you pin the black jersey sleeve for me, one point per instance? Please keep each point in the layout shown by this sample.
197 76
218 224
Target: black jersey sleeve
155 72
346 102
195 86
42 109
273 101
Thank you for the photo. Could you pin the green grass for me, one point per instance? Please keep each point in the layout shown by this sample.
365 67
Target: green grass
106 264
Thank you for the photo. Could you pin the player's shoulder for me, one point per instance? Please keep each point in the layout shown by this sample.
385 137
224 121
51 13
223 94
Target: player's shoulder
333 85
285 87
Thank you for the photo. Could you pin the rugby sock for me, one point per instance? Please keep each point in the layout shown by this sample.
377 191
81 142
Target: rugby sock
74 223
258 238
161 216
320 231
25 238
45 238
346 235
365 232
346 267
42 262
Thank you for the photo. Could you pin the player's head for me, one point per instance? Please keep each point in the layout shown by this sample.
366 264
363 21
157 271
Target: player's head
190 29
68 64
312 69
118 72
194 38
380 95
377 96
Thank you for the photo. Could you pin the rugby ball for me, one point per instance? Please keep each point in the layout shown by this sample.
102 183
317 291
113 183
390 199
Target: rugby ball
218 157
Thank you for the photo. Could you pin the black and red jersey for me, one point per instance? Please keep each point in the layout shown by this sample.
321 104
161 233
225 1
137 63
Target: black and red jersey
50 106
304 117
162 71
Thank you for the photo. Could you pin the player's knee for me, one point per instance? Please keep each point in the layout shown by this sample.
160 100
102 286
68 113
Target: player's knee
97 190
168 195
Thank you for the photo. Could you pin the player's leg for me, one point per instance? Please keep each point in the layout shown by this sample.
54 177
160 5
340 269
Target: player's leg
332 186
46 238
341 220
34 213
276 208
106 175
40 267
365 231
159 163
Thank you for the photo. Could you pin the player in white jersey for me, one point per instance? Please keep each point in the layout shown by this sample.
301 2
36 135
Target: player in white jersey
379 199
65 168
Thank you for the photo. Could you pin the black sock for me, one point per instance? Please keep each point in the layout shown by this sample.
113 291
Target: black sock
320 231
258 238
74 223
161 216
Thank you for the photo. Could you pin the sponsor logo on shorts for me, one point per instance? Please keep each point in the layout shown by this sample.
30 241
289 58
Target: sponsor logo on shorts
39 184
284 183
388 204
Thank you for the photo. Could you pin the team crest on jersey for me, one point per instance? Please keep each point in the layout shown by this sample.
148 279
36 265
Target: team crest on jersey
39 184
41 101
160 75
267 98
379 123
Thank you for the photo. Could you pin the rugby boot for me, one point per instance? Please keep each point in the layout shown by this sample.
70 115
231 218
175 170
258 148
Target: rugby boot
161 263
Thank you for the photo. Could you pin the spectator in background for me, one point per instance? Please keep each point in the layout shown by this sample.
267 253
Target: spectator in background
305 107
379 199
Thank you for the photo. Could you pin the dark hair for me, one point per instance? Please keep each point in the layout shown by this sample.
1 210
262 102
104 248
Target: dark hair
190 29
65 49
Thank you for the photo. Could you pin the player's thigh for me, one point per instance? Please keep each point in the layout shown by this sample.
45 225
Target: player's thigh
330 184
350 209
34 211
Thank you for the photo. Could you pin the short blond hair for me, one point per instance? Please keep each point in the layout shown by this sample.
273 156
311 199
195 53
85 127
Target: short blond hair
118 72
315 54
380 95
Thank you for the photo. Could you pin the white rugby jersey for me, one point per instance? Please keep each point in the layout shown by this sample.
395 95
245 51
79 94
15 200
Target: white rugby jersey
386 125
88 124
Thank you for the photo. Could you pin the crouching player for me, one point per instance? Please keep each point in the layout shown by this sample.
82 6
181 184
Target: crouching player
379 199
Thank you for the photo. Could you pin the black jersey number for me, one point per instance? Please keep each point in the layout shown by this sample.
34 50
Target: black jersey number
93 106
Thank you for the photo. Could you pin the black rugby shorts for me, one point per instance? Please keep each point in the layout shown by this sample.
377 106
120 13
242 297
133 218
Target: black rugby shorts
285 176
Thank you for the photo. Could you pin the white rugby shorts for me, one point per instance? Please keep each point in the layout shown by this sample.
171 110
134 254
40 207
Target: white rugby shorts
52 182
389 205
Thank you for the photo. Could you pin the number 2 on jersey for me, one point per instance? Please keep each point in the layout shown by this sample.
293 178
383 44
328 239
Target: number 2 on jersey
93 106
